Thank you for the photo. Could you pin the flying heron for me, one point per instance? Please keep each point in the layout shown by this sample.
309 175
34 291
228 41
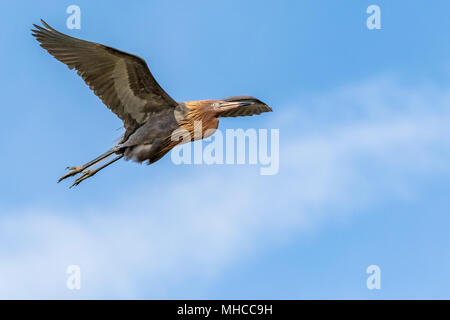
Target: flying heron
126 86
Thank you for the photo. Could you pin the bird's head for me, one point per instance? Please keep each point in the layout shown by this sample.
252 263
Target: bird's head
239 106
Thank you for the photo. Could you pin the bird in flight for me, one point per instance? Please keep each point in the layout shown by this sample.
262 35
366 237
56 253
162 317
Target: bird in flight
126 86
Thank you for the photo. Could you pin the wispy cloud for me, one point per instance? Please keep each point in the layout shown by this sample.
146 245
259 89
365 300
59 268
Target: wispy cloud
356 146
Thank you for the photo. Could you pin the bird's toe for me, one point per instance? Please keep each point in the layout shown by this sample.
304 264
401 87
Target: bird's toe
86 174
73 171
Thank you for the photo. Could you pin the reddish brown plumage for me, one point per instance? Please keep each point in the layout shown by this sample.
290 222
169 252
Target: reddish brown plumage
200 113
203 113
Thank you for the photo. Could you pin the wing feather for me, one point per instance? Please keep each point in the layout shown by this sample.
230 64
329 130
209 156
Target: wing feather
121 80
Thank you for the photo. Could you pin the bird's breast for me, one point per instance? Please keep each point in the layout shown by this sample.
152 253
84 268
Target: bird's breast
210 127
200 126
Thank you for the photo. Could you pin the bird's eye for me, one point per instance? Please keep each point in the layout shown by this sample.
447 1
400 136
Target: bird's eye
215 104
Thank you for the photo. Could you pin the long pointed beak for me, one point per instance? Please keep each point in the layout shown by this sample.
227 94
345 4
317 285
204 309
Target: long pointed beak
235 104
241 101
241 106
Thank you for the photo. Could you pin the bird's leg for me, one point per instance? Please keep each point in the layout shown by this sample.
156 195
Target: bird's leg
76 170
90 173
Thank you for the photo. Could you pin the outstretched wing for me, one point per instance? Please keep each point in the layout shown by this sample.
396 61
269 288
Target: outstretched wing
121 80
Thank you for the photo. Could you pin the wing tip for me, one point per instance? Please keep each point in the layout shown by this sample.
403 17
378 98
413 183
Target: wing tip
46 25
38 29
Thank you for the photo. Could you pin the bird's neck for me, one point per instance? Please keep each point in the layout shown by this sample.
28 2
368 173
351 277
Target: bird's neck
200 115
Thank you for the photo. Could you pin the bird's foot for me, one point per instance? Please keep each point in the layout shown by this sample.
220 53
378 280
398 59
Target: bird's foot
73 171
86 174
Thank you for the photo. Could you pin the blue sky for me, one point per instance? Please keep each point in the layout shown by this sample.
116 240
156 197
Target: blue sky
364 151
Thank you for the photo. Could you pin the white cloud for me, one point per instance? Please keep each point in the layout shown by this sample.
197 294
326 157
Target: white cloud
346 149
